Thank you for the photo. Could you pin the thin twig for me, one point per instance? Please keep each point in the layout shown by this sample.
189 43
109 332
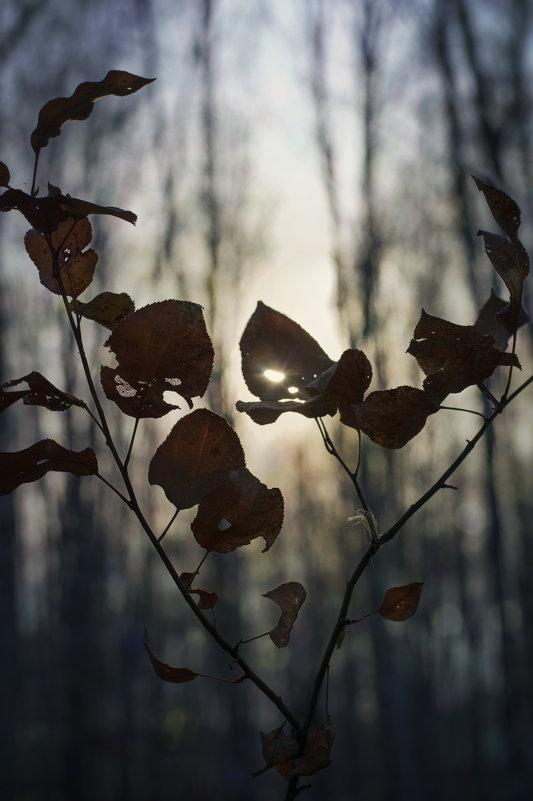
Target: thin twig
132 440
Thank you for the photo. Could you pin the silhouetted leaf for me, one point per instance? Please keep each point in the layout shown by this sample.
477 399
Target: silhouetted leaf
454 356
278 747
167 672
503 208
238 511
107 308
272 341
317 754
346 380
4 174
31 464
79 105
400 603
207 600
43 213
511 262
289 597
392 417
40 393
77 209
76 265
487 321
160 348
195 458
264 412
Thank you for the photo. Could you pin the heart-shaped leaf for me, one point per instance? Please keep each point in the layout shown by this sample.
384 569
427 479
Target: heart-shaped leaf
400 603
392 417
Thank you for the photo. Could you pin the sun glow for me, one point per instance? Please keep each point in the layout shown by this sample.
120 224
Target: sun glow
274 375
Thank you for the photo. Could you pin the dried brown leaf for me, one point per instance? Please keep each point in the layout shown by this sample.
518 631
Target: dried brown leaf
76 265
31 464
392 417
502 207
278 748
400 603
264 412
166 672
163 347
195 458
5 177
107 308
511 262
347 380
80 104
272 341
289 597
43 213
317 755
40 392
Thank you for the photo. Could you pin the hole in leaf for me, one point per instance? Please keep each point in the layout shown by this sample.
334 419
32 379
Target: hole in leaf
274 375
223 524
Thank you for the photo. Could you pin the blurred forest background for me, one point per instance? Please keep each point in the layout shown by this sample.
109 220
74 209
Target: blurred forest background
316 155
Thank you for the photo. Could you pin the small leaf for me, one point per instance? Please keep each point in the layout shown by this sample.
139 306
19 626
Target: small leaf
502 207
31 464
107 308
488 320
272 341
278 747
77 209
289 597
43 213
163 347
80 104
264 412
400 603
392 417
195 458
76 265
207 600
239 510
40 393
167 672
347 380
317 754
4 174
511 262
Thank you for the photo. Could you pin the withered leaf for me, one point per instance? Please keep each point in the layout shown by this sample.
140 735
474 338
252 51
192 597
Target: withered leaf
502 207
160 348
166 672
272 341
278 748
80 104
76 265
77 209
40 392
239 510
31 464
4 174
43 213
400 603
289 597
392 417
107 308
347 380
511 262
487 321
195 458
207 600
454 356
264 412
317 754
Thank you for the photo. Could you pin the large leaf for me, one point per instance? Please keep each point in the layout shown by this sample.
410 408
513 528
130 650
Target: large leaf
31 464
289 597
392 417
159 348
454 356
80 104
166 672
76 265
40 392
272 341
195 458
239 510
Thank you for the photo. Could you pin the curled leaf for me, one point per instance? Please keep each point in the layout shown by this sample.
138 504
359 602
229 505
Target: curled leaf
317 754
163 347
206 600
273 342
31 464
347 380
278 748
511 262
107 308
40 392
4 174
195 458
167 672
264 412
43 213
76 265
239 510
400 603
488 320
289 597
79 105
392 417
502 207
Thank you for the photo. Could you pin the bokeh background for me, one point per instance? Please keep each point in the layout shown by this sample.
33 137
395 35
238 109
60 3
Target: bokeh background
316 155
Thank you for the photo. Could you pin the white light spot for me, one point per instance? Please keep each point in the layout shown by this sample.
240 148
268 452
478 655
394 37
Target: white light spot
274 375
293 390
